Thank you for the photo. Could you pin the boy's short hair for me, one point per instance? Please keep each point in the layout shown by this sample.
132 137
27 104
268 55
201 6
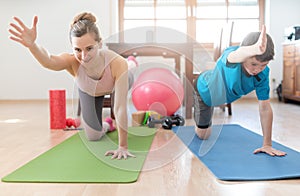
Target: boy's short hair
252 38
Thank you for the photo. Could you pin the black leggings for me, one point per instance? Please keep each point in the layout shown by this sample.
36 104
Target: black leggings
91 109
202 113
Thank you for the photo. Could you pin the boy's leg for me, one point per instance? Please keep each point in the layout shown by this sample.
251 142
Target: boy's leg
202 115
203 133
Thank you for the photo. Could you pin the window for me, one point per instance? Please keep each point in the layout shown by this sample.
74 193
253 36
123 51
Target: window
199 19
211 14
152 17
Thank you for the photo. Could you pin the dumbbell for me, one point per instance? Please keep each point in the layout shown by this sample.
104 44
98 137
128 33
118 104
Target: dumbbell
167 122
152 122
173 120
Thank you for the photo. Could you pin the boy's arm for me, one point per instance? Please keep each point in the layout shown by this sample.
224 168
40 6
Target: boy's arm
266 119
244 52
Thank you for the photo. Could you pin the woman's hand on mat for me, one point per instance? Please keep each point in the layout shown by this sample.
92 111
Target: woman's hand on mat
22 34
270 151
119 154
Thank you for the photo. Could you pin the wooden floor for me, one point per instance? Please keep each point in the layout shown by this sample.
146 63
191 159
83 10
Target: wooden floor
25 134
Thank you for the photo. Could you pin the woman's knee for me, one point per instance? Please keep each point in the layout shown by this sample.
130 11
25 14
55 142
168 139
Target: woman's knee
92 134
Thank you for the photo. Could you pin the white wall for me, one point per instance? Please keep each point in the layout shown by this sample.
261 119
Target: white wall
21 76
280 14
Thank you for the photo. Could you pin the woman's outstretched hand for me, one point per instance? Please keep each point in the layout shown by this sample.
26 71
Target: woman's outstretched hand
22 34
119 153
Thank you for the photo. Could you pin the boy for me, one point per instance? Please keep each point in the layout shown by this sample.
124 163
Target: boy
239 70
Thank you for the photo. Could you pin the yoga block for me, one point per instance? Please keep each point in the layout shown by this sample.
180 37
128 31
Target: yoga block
154 115
138 118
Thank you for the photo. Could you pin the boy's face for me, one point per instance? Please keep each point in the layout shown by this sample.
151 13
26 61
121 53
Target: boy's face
253 66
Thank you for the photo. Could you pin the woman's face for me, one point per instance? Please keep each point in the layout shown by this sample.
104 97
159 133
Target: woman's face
253 66
85 47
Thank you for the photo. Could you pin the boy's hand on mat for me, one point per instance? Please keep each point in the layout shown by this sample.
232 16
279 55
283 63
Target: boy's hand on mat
270 151
119 154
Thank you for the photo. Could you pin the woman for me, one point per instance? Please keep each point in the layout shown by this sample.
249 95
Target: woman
97 72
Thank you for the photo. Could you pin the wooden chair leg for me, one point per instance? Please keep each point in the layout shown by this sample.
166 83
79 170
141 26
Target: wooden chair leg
229 109
112 97
78 108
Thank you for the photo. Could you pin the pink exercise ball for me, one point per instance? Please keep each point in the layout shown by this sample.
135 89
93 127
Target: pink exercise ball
158 89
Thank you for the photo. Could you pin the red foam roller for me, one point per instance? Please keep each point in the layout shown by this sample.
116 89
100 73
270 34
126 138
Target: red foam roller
57 102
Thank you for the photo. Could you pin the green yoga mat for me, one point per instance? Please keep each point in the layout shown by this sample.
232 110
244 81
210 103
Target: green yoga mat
77 160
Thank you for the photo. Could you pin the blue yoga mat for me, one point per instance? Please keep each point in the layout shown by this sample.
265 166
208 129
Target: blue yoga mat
228 153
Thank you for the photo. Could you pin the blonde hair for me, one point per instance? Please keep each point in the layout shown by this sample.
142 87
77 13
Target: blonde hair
82 24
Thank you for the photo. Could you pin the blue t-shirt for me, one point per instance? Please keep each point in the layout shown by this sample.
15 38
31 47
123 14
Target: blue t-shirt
228 82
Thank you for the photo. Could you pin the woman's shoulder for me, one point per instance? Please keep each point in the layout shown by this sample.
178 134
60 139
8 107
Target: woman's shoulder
71 62
111 57
117 63
69 57
108 53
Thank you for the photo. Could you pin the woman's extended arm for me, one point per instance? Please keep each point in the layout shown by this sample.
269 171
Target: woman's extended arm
27 37
120 72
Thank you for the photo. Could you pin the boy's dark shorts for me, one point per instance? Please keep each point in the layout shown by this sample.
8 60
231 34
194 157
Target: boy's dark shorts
202 113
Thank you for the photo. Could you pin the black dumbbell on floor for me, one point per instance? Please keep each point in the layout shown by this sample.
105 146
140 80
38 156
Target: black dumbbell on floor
173 120
167 122
152 122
